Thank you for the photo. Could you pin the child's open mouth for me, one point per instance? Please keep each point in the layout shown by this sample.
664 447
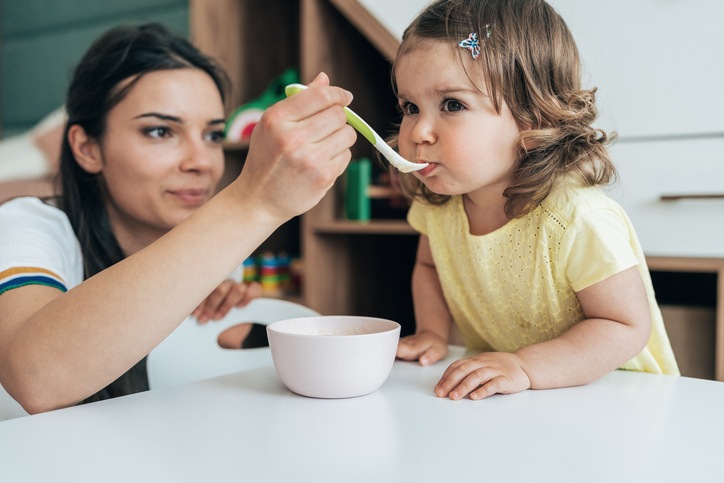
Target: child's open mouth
427 169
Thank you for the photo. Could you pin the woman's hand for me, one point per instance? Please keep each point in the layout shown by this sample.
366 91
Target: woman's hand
297 150
483 375
226 296
425 346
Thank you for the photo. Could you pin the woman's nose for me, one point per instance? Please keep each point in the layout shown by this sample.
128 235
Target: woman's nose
197 156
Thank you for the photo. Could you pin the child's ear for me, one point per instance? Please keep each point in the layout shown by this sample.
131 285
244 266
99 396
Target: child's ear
86 149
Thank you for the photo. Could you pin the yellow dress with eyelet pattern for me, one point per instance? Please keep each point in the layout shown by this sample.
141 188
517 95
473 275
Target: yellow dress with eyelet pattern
517 285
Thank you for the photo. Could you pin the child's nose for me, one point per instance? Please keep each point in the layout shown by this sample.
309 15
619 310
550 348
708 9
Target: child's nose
423 130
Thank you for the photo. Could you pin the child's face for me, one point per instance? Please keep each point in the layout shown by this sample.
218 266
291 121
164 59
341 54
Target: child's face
450 124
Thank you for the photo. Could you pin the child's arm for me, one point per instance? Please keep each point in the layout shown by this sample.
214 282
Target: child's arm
616 328
433 320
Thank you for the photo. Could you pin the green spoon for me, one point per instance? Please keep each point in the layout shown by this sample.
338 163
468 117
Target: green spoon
365 130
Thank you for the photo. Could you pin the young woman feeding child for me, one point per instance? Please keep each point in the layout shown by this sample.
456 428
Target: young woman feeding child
137 241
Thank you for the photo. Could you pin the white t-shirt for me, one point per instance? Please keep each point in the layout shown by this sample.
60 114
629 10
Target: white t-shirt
37 246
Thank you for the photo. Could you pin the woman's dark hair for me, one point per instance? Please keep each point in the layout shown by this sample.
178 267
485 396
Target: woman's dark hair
121 53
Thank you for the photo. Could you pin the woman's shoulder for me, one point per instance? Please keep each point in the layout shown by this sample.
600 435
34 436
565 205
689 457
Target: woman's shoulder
30 205
33 215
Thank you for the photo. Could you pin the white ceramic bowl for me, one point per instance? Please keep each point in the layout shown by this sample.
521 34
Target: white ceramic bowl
333 356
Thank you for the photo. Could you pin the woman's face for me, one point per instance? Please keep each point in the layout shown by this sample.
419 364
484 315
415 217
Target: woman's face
161 153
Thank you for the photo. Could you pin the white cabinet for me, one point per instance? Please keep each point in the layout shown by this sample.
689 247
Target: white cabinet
657 63
690 226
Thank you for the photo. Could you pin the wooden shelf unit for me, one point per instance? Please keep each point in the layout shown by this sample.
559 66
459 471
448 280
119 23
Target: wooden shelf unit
701 265
349 267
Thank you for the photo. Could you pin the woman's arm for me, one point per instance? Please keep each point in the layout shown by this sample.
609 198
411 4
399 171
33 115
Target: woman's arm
432 317
58 348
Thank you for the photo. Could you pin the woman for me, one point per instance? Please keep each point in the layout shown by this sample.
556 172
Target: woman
135 243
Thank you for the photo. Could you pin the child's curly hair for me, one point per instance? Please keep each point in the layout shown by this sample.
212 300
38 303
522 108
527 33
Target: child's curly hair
530 62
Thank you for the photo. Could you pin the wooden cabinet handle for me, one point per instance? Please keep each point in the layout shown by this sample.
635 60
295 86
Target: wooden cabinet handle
702 196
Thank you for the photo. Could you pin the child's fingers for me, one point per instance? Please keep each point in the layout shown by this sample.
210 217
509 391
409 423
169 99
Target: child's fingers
462 377
433 354
497 385
482 376
409 349
428 350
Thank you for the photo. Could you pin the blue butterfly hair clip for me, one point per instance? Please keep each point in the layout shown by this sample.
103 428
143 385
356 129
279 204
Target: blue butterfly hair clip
473 44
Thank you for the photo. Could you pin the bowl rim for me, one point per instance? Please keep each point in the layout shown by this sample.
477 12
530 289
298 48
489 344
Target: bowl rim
395 327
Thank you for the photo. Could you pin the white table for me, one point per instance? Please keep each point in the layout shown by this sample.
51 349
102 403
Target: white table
248 427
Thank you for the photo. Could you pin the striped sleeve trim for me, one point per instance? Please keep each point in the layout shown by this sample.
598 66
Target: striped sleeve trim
21 276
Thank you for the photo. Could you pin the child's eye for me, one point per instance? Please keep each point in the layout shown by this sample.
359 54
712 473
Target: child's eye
452 105
408 108
157 132
216 136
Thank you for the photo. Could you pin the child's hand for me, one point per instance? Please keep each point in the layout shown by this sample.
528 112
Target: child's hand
483 375
427 347
226 296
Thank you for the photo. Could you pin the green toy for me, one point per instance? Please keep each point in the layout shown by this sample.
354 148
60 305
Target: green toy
241 122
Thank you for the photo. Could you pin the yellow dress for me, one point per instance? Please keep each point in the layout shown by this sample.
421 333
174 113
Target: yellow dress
517 285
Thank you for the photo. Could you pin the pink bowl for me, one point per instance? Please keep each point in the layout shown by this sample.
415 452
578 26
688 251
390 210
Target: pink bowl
333 356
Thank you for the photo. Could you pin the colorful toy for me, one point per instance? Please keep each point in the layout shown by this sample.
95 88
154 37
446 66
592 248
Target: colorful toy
241 122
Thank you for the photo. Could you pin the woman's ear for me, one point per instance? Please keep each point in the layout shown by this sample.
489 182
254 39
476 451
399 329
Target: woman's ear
86 150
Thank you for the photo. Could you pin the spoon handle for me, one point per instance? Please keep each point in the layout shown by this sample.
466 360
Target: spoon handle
353 118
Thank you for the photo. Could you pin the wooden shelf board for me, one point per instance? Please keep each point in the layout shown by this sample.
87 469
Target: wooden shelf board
685 264
240 146
374 227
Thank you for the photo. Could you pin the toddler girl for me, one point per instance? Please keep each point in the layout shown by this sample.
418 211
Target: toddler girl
540 272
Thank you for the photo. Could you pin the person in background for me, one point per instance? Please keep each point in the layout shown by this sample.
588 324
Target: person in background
92 281
520 250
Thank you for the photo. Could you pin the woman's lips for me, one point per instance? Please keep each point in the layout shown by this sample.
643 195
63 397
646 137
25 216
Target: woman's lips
191 196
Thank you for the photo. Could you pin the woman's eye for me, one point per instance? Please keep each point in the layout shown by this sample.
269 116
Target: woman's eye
157 132
408 108
216 136
452 105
